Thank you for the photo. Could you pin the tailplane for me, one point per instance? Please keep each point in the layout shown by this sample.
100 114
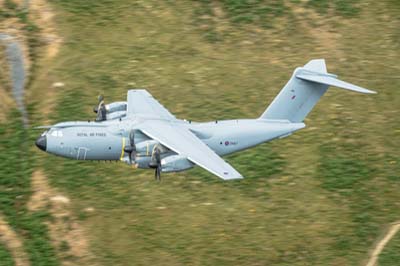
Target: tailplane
303 90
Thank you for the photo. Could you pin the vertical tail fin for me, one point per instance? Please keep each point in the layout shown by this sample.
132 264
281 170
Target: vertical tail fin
303 90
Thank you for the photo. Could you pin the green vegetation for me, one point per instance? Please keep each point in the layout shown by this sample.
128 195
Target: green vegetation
391 254
5 257
15 170
345 8
250 11
4 71
17 162
10 9
212 16
319 197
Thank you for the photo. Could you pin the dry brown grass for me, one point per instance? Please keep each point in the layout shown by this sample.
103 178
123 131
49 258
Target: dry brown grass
68 236
285 218
13 243
6 101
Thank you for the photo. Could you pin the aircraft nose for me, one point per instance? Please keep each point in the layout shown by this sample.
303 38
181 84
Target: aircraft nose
41 142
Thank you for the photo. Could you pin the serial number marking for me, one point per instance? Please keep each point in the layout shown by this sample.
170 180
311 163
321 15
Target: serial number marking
91 134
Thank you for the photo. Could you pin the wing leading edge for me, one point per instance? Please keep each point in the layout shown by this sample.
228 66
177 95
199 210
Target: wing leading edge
179 139
140 102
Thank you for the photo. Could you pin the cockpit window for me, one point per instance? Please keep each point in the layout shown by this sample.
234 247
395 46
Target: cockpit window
56 133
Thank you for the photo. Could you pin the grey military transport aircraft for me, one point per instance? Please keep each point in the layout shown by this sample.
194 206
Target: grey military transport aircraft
141 132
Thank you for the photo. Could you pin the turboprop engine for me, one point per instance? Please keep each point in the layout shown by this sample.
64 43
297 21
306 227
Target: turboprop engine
115 115
109 111
175 163
116 107
147 154
147 147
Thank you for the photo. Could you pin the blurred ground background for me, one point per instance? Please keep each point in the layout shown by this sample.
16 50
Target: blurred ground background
324 196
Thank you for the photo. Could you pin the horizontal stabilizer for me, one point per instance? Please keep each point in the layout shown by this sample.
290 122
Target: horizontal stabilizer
331 81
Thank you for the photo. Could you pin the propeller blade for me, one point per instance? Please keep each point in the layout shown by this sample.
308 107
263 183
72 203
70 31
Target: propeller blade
131 149
132 140
157 156
132 156
100 109
159 172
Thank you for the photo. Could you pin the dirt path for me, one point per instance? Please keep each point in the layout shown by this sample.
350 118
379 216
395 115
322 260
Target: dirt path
13 244
17 50
43 15
68 236
393 229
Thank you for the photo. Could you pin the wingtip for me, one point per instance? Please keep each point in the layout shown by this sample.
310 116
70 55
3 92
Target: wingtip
238 177
366 91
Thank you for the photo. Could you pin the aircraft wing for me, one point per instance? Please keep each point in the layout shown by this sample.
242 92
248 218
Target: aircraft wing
140 102
179 139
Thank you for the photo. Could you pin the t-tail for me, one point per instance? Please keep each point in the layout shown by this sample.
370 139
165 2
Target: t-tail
303 91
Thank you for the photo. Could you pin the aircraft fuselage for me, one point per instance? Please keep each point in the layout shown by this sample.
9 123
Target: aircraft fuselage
106 140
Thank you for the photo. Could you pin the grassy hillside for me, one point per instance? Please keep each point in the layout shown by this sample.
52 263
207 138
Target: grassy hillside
5 257
390 256
319 197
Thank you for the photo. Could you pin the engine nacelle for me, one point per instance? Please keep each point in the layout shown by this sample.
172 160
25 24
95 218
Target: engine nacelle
143 162
116 107
175 163
110 111
145 148
115 115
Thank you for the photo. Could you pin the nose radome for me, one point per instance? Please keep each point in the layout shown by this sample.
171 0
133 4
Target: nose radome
41 142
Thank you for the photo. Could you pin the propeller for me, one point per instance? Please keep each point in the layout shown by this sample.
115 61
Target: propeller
156 162
157 156
100 110
100 98
131 149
